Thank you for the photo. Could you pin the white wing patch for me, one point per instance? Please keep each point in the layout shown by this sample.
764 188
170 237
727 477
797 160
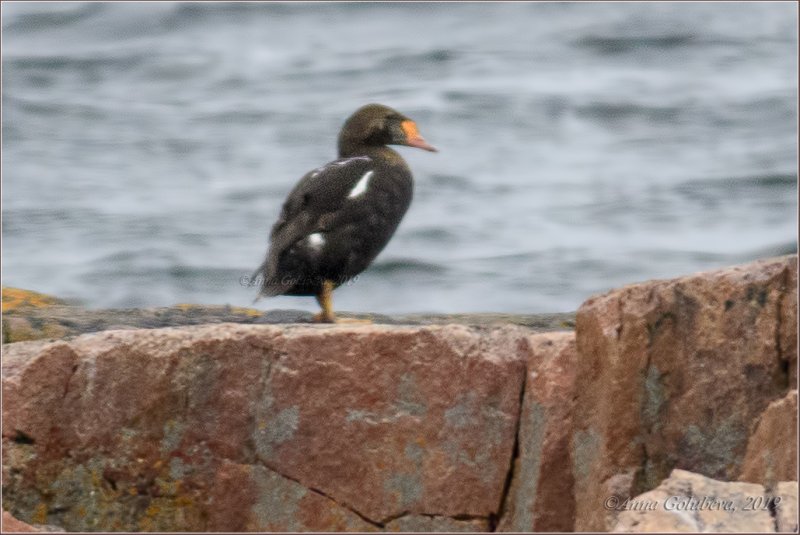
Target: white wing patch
361 186
316 240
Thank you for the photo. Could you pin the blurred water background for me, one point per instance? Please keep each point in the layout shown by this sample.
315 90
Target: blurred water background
147 147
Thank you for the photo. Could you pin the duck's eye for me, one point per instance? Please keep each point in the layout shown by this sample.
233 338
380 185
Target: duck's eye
394 118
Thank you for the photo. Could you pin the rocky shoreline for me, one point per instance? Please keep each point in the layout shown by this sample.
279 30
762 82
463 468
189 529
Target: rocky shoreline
194 418
50 318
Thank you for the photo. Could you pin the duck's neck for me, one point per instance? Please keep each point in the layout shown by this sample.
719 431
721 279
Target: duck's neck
379 152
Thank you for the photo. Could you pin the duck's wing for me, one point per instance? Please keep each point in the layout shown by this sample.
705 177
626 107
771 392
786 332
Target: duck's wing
322 191
313 205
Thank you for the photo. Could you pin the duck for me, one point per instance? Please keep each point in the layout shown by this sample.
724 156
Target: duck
340 216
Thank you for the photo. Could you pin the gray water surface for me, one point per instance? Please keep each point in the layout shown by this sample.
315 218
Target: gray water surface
147 147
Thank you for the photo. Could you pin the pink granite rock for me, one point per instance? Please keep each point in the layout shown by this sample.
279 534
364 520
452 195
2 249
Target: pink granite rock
772 449
348 427
12 525
253 498
672 374
431 412
541 493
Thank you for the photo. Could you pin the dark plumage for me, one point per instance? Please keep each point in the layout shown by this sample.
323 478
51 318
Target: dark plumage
340 216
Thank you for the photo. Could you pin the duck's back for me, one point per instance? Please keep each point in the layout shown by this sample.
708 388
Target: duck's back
336 221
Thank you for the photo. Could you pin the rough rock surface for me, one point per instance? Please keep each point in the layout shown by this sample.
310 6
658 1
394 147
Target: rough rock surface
772 449
33 316
425 524
12 525
470 427
300 428
673 374
540 497
689 502
786 509
250 497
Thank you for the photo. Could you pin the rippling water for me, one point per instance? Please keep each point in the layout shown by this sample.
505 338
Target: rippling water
147 147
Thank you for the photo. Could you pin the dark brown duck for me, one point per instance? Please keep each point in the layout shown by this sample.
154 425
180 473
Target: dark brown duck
340 216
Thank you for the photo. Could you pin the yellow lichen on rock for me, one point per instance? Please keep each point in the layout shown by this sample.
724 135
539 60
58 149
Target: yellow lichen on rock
40 514
15 298
186 306
246 311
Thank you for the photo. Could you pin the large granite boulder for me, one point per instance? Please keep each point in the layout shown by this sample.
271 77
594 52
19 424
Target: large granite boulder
674 374
294 428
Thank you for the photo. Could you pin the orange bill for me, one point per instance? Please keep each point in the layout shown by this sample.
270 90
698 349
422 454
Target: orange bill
413 139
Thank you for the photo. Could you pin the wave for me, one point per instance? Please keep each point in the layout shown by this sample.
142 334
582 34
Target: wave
52 15
620 44
446 181
777 249
25 220
71 62
719 258
767 181
34 106
606 111
398 266
124 272
435 56
433 234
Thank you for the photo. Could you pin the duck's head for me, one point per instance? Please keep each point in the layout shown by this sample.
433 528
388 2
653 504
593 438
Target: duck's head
376 125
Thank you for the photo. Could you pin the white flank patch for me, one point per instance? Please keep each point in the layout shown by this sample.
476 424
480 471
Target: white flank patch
316 240
361 187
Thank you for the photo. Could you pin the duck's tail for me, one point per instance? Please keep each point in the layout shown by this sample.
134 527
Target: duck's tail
268 283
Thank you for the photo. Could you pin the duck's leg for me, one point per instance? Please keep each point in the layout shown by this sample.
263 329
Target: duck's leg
325 300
